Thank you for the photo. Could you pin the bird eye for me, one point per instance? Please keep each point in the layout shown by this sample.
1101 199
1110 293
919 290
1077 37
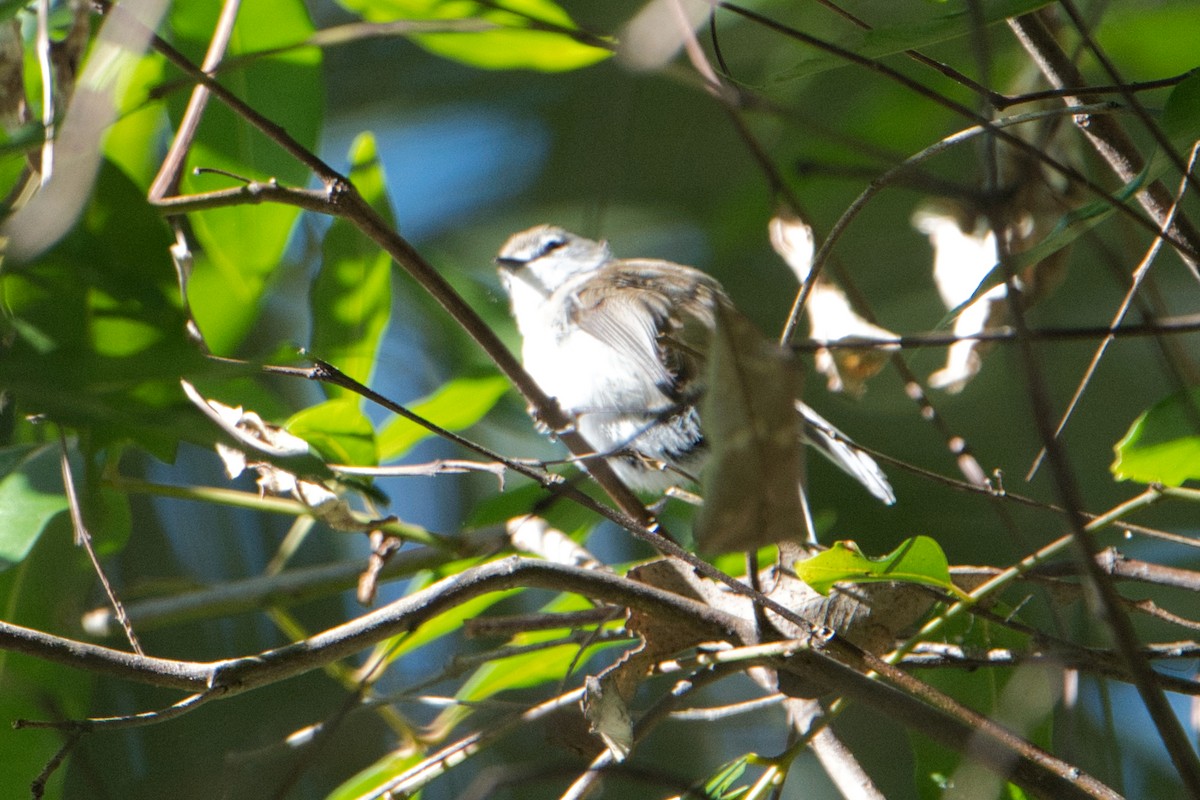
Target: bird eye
549 246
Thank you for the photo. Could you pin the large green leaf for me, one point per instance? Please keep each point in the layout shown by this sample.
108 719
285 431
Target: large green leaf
240 246
1163 444
457 405
528 34
1155 39
351 298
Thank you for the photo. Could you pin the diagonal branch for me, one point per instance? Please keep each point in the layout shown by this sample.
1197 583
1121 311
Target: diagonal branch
1107 136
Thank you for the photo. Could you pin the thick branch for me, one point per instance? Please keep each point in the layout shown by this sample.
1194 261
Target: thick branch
1038 771
232 676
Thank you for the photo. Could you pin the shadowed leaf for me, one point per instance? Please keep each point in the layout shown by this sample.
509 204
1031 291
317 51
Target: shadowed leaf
751 481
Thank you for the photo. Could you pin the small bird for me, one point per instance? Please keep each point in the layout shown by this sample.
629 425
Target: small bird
619 343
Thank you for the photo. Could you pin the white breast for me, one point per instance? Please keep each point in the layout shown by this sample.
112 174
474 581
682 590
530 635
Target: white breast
606 396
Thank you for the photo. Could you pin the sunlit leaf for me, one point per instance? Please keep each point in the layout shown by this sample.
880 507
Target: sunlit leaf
831 316
233 268
1163 444
527 34
368 781
457 405
964 255
351 297
571 518
47 216
93 332
722 783
917 560
339 430
443 625
132 141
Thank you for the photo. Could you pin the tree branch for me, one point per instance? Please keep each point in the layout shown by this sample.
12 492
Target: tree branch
1107 137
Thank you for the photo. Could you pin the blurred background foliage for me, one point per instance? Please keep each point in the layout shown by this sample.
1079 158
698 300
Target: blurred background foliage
464 136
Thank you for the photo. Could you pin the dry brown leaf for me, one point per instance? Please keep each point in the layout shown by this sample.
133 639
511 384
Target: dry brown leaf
830 315
753 475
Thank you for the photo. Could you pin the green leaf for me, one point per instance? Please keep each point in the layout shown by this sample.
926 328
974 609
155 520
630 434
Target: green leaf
735 563
528 34
232 268
339 430
40 220
44 592
528 670
917 560
9 8
457 405
31 494
369 781
897 27
1021 699
1163 444
351 297
1159 38
449 623
721 784
133 141
93 332
1181 114
571 518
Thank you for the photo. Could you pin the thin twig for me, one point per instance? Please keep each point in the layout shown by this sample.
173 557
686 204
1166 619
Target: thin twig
1102 663
120 723
83 538
37 789
1186 323
1002 102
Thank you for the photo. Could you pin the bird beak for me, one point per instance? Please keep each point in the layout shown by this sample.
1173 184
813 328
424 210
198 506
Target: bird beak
509 264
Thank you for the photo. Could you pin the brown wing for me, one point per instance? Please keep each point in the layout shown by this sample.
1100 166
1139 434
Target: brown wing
656 314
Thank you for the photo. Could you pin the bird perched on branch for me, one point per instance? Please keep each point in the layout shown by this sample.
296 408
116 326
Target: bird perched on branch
621 345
